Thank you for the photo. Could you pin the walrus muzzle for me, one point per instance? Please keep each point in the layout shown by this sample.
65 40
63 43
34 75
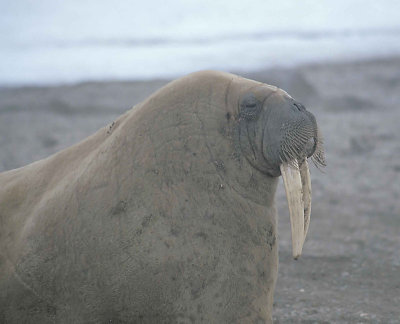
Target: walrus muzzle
296 178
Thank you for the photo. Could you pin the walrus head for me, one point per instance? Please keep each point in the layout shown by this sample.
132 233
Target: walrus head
277 135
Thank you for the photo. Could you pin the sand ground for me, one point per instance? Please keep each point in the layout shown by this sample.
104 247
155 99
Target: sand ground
350 268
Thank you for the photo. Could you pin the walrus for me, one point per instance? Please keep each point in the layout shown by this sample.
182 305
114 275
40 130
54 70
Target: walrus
165 216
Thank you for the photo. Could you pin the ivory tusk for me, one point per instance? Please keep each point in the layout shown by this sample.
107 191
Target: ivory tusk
297 184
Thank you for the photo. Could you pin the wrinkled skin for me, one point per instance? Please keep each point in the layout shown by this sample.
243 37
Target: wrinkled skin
165 216
274 128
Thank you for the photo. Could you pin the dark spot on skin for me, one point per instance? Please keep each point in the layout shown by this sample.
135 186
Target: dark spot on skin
201 235
175 230
110 128
236 155
146 220
119 208
271 237
51 310
208 215
262 271
220 165
195 293
186 147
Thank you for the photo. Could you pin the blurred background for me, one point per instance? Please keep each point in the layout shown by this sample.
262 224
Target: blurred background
51 41
68 68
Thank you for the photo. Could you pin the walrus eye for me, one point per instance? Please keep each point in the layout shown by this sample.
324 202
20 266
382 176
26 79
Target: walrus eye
251 104
250 107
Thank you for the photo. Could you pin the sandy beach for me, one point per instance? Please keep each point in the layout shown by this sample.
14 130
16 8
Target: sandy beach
350 268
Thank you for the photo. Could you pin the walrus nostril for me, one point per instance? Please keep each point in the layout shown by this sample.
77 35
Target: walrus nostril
299 106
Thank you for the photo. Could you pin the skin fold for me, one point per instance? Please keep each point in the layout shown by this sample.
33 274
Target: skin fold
165 216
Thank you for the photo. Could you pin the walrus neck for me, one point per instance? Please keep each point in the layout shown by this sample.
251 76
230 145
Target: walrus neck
235 170
247 181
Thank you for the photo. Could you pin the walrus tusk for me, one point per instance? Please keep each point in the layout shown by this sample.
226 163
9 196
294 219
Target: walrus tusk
296 179
306 183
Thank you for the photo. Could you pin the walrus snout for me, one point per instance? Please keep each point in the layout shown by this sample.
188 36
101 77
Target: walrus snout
290 137
277 135
301 140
